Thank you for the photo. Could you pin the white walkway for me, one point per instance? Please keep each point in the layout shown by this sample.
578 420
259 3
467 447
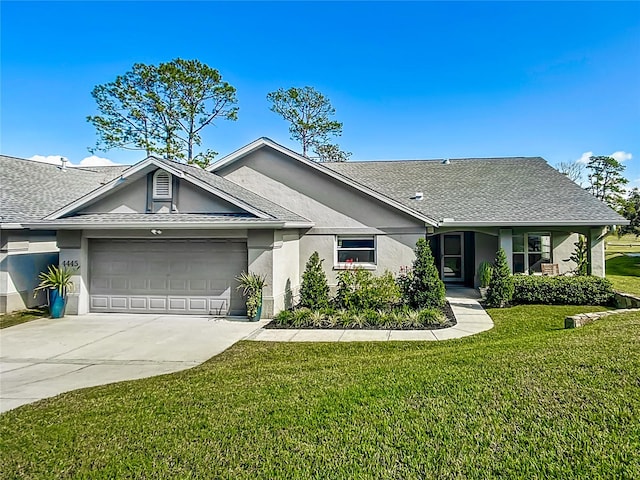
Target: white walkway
469 314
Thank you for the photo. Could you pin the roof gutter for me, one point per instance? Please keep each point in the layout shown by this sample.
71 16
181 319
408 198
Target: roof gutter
11 226
539 223
166 225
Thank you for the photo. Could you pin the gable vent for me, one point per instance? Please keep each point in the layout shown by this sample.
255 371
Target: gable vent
162 184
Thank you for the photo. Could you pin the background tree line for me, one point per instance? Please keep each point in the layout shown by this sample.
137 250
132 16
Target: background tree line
162 110
606 182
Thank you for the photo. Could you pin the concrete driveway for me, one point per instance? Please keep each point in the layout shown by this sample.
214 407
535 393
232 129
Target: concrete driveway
46 357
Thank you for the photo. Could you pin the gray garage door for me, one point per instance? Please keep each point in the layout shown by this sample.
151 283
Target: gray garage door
166 276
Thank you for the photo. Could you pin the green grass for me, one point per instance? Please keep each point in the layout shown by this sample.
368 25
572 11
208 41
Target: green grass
527 399
628 243
16 318
624 273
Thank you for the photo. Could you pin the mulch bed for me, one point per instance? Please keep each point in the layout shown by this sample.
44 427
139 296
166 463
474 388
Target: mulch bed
451 321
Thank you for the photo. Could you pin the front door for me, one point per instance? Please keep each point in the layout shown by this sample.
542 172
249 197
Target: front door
452 257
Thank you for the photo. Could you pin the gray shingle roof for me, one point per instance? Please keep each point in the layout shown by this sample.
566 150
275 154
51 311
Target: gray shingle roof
504 190
29 190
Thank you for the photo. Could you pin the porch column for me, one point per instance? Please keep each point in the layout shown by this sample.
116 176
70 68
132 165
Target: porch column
260 245
74 253
506 243
596 251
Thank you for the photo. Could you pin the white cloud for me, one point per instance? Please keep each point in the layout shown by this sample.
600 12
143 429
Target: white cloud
53 159
584 159
621 156
95 161
92 161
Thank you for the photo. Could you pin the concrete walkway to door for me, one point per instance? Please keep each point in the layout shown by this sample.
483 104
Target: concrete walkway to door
46 357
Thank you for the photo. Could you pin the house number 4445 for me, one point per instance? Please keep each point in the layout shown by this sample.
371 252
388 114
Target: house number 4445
70 263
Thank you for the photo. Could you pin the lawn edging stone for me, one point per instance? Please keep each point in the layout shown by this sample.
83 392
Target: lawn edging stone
626 300
582 319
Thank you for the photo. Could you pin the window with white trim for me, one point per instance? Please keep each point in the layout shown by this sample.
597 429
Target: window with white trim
530 250
356 251
162 185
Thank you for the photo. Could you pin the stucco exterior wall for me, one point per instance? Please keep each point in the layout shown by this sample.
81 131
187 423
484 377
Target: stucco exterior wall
128 199
596 242
563 247
23 255
392 252
260 250
335 208
135 198
286 269
192 199
486 247
321 199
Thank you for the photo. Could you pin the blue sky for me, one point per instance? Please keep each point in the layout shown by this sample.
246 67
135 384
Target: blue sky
408 80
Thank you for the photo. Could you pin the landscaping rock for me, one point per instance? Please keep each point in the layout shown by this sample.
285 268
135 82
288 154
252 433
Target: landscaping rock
582 319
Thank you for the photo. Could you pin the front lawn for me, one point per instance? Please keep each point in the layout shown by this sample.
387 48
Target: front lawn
624 273
16 318
628 243
527 399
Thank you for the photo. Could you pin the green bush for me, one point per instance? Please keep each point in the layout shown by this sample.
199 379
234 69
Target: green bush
359 289
314 291
422 286
500 291
432 316
579 290
284 318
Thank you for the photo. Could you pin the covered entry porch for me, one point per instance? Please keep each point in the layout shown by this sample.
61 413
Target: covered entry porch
458 252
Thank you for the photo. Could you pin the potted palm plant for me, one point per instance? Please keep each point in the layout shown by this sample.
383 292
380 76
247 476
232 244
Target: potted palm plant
56 282
251 285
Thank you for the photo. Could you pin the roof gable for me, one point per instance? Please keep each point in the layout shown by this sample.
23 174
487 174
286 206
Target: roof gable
209 182
268 143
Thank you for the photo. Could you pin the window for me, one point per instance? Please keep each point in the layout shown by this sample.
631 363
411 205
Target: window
162 184
529 251
355 250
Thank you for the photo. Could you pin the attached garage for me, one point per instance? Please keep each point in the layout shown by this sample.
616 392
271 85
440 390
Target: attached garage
182 276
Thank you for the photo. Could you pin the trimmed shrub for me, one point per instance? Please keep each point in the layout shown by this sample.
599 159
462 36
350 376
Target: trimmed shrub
500 291
579 290
314 291
422 286
359 289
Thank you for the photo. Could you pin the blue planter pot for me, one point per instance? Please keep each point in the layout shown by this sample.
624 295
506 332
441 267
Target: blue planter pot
57 303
